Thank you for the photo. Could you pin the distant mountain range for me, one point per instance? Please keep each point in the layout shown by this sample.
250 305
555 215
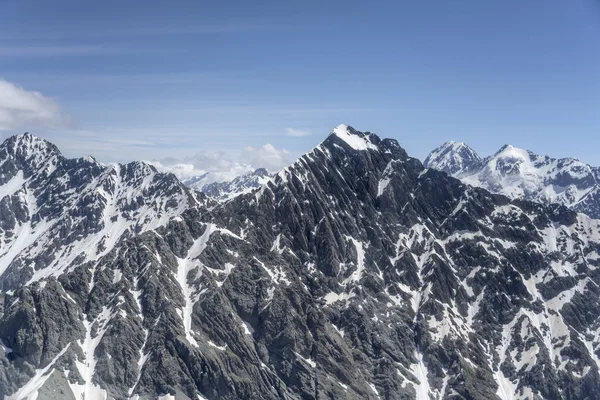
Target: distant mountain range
229 189
354 273
519 173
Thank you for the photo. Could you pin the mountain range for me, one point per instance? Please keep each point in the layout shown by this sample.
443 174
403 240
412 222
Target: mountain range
354 273
519 173
225 190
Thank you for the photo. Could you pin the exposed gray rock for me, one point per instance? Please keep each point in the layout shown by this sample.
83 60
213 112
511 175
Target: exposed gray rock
355 273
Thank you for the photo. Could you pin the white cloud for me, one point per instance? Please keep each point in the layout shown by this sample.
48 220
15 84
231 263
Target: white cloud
297 132
216 165
187 171
182 171
24 110
267 156
219 167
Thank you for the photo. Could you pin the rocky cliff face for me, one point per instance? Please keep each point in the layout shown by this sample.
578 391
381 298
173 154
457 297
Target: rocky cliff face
521 174
354 273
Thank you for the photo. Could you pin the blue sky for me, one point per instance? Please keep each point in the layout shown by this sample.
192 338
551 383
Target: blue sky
154 79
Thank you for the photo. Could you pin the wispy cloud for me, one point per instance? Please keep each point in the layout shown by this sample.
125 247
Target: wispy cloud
52 50
141 31
170 152
22 109
267 156
199 29
136 78
297 132
218 166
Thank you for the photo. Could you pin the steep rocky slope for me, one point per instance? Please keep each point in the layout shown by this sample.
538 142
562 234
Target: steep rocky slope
55 211
354 273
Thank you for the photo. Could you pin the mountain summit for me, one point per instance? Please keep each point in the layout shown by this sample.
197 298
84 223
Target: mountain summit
56 211
452 158
520 173
353 138
354 273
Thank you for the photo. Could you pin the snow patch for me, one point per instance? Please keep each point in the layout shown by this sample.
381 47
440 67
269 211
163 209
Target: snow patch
86 369
353 140
383 184
419 370
13 185
29 391
222 348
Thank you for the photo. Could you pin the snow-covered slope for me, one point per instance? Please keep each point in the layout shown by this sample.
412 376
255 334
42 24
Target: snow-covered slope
56 211
240 185
519 173
354 273
452 158
235 183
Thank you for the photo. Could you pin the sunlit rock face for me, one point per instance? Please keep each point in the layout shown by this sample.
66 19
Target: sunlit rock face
353 273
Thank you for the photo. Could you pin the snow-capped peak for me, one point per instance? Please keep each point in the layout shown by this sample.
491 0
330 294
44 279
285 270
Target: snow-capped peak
26 145
29 153
510 151
91 159
77 205
356 140
105 268
452 157
520 173
239 185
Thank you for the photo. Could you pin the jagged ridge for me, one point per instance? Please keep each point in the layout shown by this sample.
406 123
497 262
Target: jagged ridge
519 173
354 273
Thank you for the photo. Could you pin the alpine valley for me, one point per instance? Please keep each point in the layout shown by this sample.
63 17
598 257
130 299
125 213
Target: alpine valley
354 273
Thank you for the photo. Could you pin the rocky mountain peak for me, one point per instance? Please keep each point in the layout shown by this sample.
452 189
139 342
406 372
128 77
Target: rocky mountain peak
452 157
509 151
520 173
352 138
261 172
346 139
27 145
355 155
78 205
28 153
354 273
344 142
